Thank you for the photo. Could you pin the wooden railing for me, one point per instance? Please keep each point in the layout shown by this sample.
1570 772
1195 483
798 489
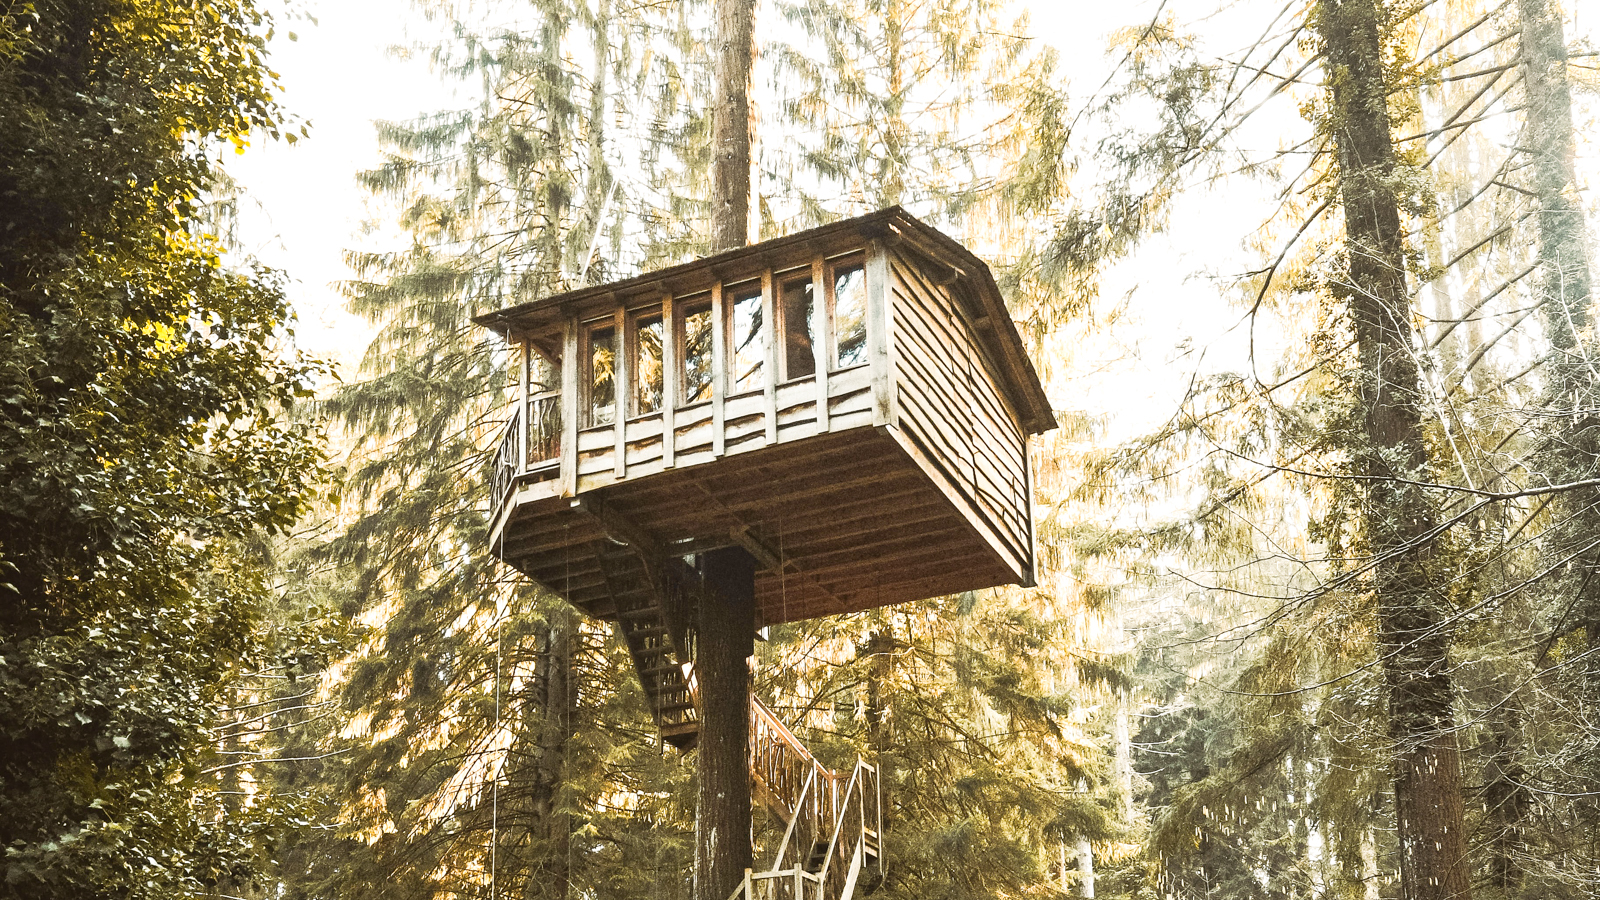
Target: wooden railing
537 445
832 833
506 469
544 430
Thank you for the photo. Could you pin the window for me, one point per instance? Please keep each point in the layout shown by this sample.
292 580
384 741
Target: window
849 315
648 386
602 375
544 409
749 340
795 307
696 358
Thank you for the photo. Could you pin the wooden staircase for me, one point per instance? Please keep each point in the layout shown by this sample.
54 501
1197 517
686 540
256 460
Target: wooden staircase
652 604
832 847
832 844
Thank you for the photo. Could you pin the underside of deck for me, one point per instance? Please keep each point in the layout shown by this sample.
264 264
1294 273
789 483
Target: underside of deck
840 522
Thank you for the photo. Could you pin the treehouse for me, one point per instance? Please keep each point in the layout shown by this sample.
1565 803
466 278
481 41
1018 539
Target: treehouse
850 404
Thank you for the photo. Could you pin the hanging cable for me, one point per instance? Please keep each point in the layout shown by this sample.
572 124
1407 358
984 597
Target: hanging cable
494 802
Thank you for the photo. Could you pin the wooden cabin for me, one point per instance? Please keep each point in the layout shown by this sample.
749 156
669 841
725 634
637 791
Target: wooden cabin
851 404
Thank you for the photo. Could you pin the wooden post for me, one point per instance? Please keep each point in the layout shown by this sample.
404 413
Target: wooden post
880 336
821 337
769 313
525 356
571 399
670 363
622 377
720 364
726 641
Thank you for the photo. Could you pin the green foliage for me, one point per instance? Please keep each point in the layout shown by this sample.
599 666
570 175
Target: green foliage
145 447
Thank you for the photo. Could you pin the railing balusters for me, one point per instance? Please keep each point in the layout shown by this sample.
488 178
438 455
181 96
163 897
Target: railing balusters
810 795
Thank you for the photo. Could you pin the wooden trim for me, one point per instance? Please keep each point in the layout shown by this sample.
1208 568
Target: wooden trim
525 357
621 388
671 353
769 314
1030 578
571 400
719 374
880 336
821 337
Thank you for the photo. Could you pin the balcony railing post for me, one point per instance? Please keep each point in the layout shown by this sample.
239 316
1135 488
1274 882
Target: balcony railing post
524 376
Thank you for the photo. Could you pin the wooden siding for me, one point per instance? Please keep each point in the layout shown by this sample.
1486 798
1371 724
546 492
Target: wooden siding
951 408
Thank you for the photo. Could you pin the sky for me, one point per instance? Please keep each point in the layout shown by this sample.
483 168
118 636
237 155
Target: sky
341 73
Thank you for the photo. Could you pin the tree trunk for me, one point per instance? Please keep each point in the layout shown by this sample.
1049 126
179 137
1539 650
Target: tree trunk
549 872
1507 801
1563 239
725 641
726 621
731 125
894 130
1085 853
1566 294
1391 456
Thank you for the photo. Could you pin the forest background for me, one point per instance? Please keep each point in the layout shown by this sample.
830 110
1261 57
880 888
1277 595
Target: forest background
1215 691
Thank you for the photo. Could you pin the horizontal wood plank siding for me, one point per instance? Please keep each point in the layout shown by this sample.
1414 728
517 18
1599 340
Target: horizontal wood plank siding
951 406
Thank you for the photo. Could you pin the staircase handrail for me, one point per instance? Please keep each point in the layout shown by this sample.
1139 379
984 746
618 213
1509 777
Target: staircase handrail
788 833
778 759
839 822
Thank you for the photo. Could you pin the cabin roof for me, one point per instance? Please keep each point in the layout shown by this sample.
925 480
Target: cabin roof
894 225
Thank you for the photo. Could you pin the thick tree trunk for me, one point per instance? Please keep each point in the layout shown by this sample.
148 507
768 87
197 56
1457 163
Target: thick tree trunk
731 125
726 621
1565 277
725 640
1392 458
549 871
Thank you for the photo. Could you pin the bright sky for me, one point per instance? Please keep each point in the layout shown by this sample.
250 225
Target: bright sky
340 75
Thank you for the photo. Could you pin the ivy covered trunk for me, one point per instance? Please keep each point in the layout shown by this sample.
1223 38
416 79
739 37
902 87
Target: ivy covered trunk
1390 456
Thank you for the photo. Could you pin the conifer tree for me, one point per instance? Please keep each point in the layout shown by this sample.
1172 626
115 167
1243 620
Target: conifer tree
489 725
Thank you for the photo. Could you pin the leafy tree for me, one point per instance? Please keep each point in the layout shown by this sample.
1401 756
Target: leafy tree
145 448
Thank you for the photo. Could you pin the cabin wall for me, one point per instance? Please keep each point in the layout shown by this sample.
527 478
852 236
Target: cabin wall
952 410
744 428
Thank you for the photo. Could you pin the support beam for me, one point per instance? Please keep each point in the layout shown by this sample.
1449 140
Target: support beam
619 527
726 642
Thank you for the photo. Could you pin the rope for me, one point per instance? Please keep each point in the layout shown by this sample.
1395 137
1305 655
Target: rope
494 803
